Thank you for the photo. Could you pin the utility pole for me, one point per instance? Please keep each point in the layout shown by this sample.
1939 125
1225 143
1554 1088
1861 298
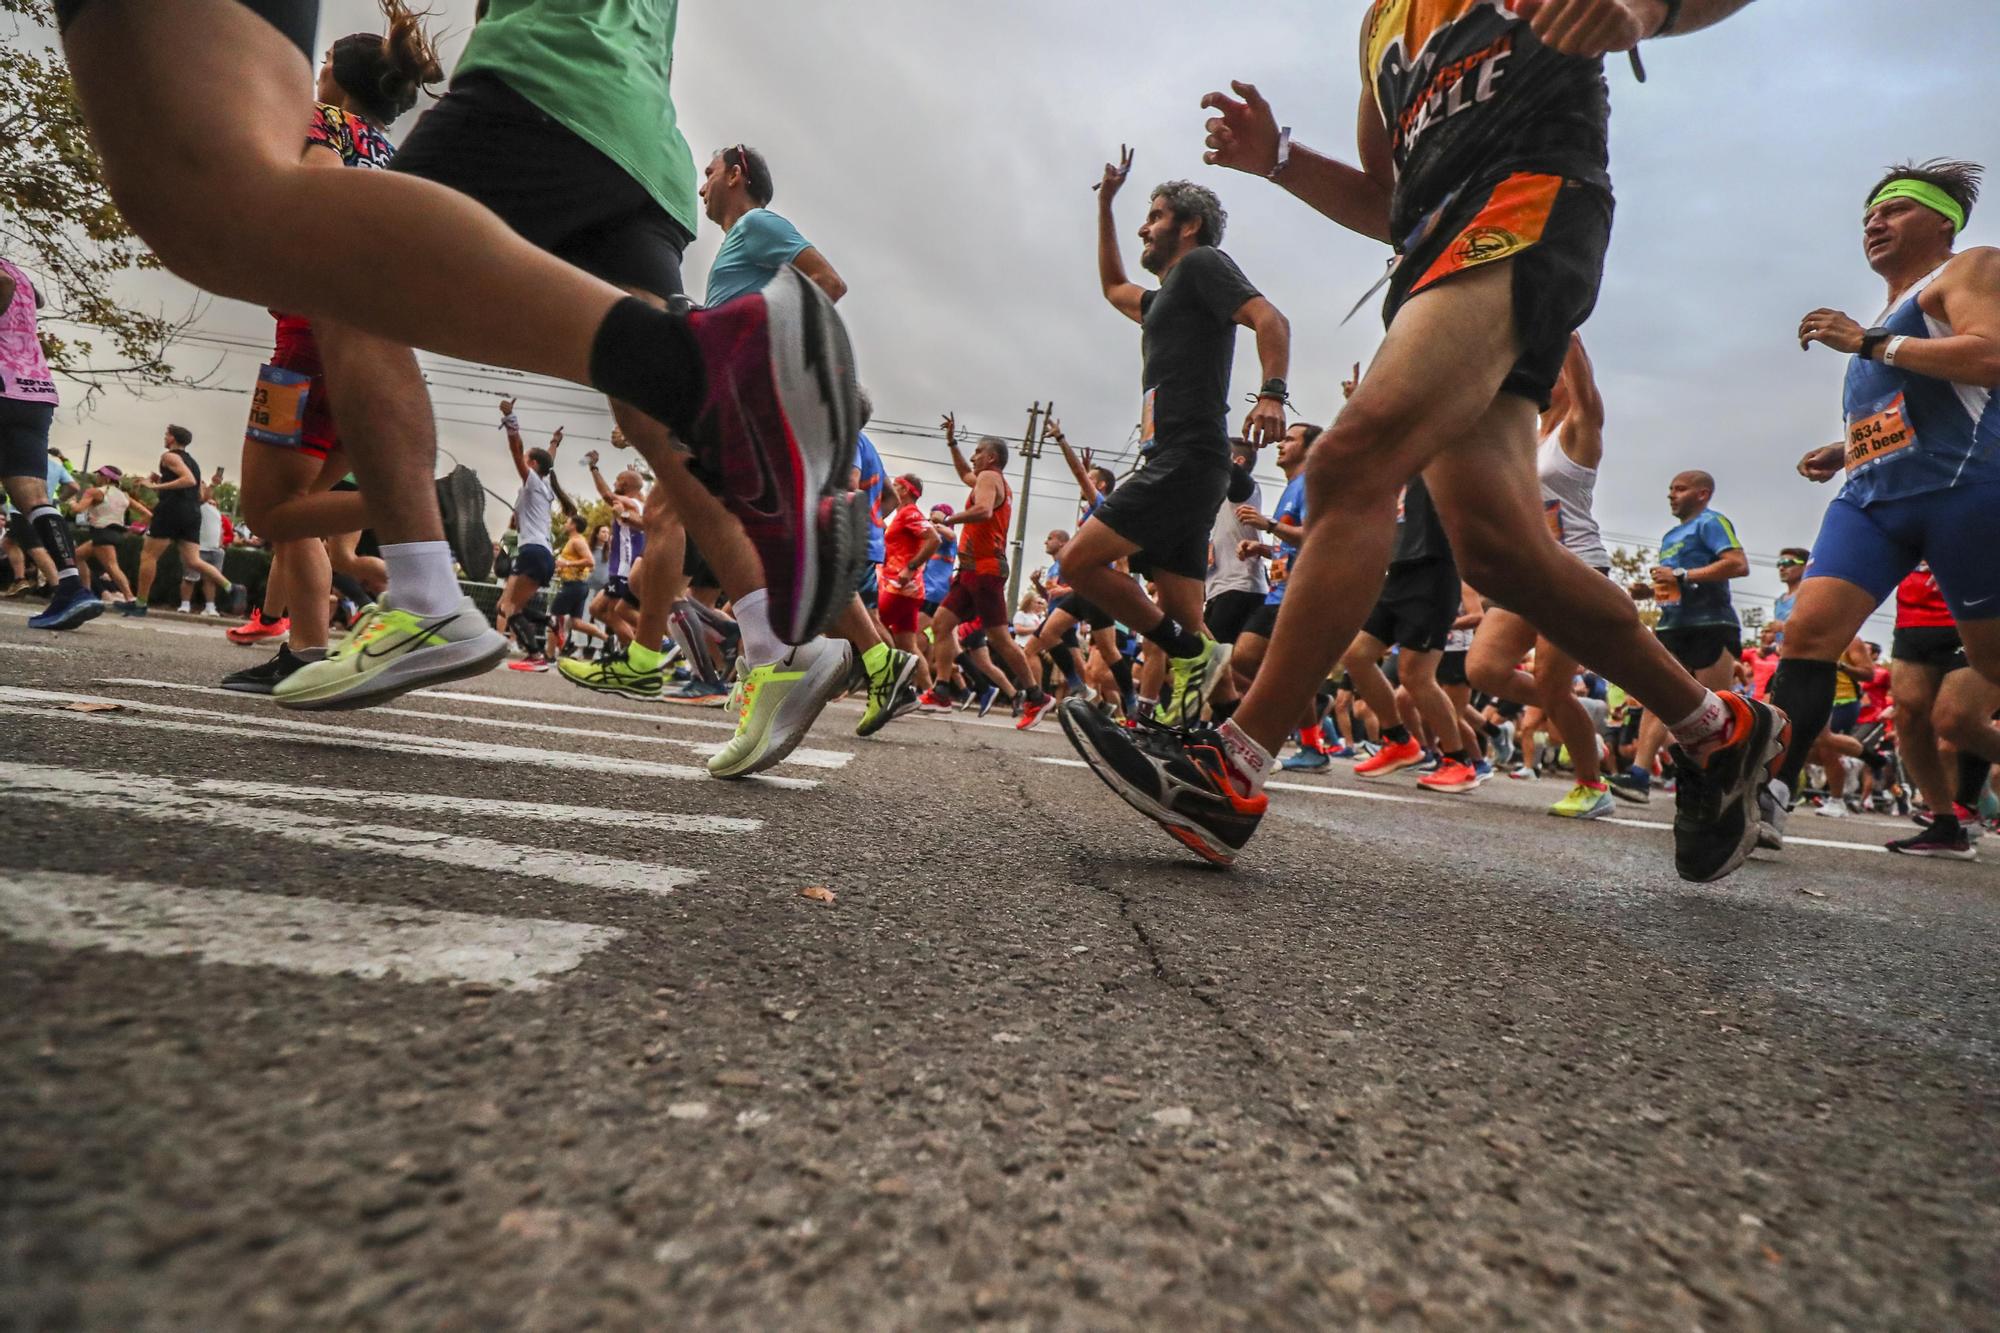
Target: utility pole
1031 449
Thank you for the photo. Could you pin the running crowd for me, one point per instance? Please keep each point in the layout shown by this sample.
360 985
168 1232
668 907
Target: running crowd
1430 590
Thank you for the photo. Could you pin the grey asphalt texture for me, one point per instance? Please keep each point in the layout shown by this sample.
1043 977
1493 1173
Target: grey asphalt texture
1441 1062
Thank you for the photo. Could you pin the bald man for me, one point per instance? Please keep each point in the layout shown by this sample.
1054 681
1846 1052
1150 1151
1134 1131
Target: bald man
1698 557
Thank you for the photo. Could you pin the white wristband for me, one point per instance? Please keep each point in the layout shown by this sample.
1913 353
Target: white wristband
1284 153
1893 346
510 422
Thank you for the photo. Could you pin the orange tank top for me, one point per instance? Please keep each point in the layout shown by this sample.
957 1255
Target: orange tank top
980 549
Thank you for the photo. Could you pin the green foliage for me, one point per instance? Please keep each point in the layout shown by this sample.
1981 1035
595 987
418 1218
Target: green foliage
57 221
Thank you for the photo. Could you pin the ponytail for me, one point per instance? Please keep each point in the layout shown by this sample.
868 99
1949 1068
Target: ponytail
383 75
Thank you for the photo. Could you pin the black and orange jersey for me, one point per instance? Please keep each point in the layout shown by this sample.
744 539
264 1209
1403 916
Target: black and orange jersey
1470 95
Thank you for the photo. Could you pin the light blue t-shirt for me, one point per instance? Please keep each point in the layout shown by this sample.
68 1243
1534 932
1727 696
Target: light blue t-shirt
1699 541
1291 509
937 574
760 244
874 477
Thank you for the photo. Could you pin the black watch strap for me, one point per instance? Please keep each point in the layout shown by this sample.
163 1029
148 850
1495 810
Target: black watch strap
1671 21
1872 340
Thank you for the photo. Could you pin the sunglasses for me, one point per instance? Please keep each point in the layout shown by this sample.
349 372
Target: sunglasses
1790 563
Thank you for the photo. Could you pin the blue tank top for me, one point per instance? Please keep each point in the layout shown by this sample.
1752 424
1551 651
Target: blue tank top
937 574
1909 434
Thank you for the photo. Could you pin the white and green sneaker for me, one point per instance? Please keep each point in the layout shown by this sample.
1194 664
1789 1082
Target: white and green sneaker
888 681
390 652
619 675
775 705
1190 682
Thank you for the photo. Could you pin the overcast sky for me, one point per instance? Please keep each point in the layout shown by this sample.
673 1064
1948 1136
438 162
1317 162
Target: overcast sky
941 156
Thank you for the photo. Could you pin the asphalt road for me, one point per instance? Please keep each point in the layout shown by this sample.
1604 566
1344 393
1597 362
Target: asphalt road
492 1011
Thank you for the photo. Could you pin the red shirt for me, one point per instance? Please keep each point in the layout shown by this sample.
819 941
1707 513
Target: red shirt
1919 604
1763 666
1875 700
902 538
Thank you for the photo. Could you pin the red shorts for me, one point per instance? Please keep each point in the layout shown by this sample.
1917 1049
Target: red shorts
899 613
978 597
297 350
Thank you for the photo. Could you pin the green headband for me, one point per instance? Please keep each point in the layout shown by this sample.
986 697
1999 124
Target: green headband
1925 193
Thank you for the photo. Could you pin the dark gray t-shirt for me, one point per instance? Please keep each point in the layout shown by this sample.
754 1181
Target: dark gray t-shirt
1189 340
1419 534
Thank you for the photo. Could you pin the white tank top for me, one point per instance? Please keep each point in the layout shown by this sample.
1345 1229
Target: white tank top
1567 489
110 510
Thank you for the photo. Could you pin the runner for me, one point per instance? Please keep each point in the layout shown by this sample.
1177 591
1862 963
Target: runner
202 161
210 545
1236 587
105 506
573 566
1921 457
519 613
1161 517
908 543
1698 625
616 607
1072 609
1791 568
1477 337
1287 524
1567 460
1938 699
176 519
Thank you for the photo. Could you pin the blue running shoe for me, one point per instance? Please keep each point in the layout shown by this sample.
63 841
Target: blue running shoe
1307 761
1635 784
71 606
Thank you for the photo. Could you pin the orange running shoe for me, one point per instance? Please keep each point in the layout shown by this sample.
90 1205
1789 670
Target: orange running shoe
1393 757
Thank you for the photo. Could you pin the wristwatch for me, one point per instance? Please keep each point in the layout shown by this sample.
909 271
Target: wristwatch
1274 388
1871 340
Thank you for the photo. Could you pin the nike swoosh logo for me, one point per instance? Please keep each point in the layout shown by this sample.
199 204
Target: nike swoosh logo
1979 601
425 629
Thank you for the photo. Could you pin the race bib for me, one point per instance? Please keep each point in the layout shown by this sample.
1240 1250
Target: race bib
1552 510
278 407
1873 437
1146 420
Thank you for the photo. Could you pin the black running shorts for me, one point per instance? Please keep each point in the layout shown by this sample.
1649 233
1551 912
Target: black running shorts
558 191
1263 621
572 598
1934 646
1696 647
176 523
1451 669
1087 613
296 19
1167 509
1419 602
537 564
1229 613
1554 230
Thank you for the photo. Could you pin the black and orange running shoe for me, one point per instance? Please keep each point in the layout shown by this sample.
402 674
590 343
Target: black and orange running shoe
1175 776
1715 802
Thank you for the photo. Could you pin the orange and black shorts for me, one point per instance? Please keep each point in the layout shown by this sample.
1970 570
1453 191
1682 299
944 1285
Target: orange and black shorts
1554 230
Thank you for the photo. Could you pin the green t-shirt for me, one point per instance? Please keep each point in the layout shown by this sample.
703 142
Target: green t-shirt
605 70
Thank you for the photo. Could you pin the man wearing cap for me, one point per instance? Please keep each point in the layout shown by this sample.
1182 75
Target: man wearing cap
908 542
1921 459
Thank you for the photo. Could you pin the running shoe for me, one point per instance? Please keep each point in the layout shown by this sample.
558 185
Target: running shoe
701 693
462 506
390 652
1451 775
1430 762
776 424
265 676
72 605
776 704
931 701
1634 785
1931 840
529 664
1308 760
1716 816
1176 777
1392 757
132 608
1774 808
1032 712
886 688
1831 808
1584 803
20 588
987 698
1483 768
1523 773
1342 751
613 675
1190 682
1968 819
256 629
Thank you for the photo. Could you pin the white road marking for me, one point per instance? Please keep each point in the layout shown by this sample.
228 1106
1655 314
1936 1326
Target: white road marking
147 796
6 648
298 934
589 816
667 713
803 756
1790 840
241 727
116 621
1311 788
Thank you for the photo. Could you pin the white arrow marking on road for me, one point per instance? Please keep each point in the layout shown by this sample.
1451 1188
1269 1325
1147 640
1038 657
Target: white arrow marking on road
299 934
649 821
147 796
243 727
807 757
1287 786
1790 840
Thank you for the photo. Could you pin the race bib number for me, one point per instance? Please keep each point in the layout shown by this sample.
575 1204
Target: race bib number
1874 437
278 407
1146 420
1553 512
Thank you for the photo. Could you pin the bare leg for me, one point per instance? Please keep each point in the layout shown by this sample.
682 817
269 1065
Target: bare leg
149 566
192 563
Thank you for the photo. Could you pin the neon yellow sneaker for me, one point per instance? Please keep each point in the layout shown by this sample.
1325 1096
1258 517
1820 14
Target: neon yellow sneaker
775 705
1190 681
390 652
619 675
1584 803
889 695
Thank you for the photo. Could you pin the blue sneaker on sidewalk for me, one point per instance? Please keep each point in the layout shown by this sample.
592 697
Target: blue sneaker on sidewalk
1307 761
71 606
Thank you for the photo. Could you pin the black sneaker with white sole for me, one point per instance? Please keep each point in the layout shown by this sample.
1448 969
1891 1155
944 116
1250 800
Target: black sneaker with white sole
1716 816
264 677
1938 838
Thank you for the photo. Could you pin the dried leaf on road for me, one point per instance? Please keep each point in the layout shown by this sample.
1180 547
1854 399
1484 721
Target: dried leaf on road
819 893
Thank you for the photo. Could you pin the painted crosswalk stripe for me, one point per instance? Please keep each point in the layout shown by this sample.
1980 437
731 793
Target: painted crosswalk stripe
646 821
1287 786
803 756
308 935
19 701
145 796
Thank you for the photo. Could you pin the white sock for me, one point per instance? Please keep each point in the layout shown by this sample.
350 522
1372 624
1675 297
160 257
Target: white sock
1250 760
420 578
1698 731
760 642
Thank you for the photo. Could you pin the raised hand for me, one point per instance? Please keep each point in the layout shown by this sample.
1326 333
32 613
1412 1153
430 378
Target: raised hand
1114 176
1591 27
950 425
590 459
1051 429
555 440
1242 135
506 407
1351 383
